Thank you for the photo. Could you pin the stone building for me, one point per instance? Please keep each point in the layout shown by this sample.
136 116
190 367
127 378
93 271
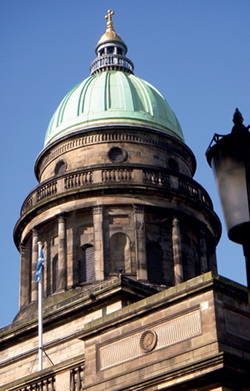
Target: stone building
131 295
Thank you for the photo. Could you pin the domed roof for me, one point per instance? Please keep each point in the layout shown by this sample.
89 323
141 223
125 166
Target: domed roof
112 95
112 98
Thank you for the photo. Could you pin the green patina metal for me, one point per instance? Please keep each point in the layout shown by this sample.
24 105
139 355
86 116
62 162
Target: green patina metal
112 98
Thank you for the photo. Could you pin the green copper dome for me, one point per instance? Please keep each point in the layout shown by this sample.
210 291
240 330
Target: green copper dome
112 98
112 95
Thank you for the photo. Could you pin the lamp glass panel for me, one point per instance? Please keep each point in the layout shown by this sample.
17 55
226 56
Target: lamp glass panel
230 175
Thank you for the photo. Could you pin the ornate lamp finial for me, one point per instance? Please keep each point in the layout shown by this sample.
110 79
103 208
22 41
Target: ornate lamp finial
110 25
238 123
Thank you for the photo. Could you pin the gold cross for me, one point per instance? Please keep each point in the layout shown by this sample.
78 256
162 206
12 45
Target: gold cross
109 16
109 19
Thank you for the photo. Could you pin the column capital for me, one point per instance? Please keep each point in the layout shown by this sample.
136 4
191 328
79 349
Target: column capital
139 209
35 231
175 221
97 210
22 248
62 217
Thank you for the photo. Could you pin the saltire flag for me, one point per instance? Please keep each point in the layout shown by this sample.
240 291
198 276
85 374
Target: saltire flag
40 262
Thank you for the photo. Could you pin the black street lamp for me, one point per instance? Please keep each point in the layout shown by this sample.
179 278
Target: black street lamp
229 157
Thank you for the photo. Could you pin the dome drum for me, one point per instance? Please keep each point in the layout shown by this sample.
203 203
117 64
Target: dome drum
91 148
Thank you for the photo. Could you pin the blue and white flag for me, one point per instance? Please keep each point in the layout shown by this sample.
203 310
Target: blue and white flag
40 262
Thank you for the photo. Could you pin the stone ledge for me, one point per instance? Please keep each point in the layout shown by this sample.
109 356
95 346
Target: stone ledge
177 293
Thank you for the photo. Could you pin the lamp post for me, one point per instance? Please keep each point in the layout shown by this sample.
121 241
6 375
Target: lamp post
229 157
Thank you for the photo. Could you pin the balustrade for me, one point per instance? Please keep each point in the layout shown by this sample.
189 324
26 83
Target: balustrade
76 378
47 190
188 188
117 174
191 189
156 177
47 384
113 62
28 203
78 179
182 185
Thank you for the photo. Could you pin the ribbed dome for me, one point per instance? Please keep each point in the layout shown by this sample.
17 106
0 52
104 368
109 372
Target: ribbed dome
112 98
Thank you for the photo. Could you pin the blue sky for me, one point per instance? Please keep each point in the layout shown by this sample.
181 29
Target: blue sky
195 52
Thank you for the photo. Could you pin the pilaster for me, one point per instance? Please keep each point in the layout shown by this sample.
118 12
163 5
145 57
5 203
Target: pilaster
34 264
24 295
203 251
177 251
140 242
98 242
62 253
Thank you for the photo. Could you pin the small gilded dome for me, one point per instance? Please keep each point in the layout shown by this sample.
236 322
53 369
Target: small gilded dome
110 34
112 98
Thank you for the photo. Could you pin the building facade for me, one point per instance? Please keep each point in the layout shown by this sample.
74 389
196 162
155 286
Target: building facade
131 295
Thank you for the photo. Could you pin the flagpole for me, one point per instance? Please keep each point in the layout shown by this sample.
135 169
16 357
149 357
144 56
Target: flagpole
40 315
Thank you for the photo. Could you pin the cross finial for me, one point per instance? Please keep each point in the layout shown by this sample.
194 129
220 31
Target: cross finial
109 19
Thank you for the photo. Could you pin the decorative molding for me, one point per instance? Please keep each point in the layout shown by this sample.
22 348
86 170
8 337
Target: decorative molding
148 340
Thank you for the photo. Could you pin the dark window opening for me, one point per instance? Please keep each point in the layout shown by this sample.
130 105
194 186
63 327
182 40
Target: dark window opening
86 265
60 167
55 279
173 165
154 263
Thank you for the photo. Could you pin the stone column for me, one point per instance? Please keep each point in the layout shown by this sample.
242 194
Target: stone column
24 295
34 264
203 252
98 242
140 243
62 253
177 253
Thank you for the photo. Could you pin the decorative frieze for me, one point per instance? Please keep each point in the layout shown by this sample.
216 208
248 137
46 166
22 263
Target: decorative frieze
161 335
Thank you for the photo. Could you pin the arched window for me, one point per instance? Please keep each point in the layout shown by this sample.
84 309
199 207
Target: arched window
120 257
55 282
173 165
154 262
60 167
86 265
